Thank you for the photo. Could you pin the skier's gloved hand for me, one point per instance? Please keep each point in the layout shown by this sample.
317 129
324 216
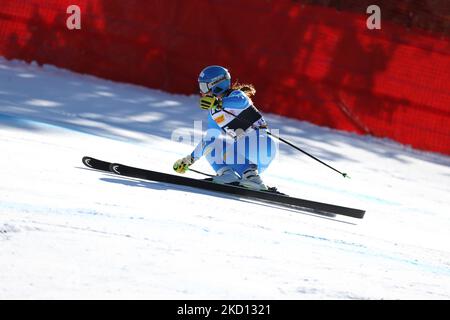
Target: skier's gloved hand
210 102
182 165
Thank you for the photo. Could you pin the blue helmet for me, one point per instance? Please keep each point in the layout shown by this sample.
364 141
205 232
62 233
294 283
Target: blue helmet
214 79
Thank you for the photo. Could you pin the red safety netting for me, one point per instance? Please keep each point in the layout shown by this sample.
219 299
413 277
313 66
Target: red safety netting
307 61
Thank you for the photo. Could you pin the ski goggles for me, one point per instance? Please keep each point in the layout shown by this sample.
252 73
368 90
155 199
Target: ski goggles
205 87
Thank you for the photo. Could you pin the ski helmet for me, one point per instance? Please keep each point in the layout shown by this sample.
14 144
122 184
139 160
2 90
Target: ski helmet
214 79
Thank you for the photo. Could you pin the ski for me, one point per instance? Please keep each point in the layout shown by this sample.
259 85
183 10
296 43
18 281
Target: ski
265 196
96 164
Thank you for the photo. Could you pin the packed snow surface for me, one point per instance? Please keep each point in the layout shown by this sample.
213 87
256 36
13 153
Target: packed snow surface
69 232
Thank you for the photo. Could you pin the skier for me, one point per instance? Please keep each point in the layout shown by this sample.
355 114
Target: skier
236 144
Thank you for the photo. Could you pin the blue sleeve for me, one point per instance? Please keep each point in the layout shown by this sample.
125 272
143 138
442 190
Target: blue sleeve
213 131
236 100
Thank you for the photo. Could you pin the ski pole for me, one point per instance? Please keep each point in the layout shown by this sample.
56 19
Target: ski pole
208 151
205 174
345 175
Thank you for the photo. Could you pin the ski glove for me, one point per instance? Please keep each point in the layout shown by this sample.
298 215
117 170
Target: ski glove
182 165
210 102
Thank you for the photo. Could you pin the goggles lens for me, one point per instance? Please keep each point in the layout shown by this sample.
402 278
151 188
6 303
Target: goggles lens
204 88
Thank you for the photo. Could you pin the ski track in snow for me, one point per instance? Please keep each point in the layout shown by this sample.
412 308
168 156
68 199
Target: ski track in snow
73 233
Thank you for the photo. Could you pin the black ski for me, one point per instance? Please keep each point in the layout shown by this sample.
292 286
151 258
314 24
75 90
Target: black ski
96 164
272 197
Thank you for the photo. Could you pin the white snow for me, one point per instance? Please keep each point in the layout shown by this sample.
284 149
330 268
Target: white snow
67 232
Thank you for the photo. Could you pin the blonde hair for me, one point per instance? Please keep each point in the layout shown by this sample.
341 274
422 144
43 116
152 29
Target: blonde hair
248 89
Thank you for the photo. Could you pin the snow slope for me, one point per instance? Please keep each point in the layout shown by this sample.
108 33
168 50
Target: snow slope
67 232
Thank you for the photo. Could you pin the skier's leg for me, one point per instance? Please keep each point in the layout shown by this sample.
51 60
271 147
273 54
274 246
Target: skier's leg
267 151
259 151
220 157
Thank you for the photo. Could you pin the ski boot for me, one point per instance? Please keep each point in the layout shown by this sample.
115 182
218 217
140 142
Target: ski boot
252 180
226 175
